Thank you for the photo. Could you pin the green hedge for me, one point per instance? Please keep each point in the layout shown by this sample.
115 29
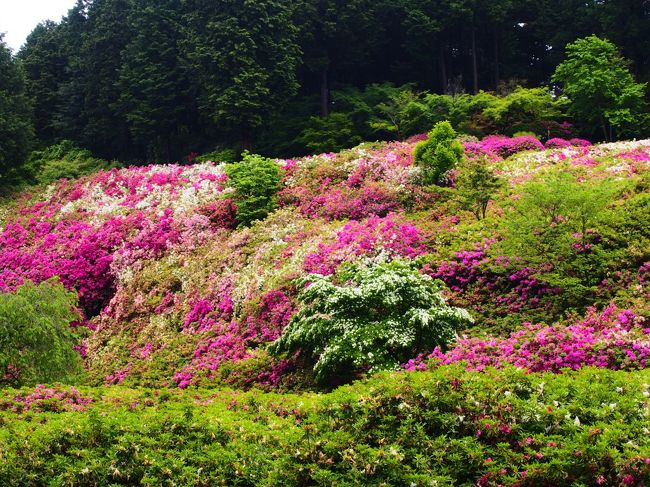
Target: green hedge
447 427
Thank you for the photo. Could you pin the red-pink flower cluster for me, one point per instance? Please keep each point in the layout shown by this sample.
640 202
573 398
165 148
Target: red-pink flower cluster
612 338
390 234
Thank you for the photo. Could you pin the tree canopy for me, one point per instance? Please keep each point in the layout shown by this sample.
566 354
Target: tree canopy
15 113
138 80
596 79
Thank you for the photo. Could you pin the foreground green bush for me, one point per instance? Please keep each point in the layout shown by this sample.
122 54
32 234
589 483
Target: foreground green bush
36 342
447 427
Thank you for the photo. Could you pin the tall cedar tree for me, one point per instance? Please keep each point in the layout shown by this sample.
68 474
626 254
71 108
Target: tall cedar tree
15 113
45 62
245 55
155 83
90 116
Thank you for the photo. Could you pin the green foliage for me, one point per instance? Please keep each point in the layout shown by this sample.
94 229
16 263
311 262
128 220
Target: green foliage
16 130
36 342
256 181
44 61
385 314
400 114
556 225
446 427
63 160
476 184
524 109
245 55
439 153
550 211
602 90
226 155
330 134
155 95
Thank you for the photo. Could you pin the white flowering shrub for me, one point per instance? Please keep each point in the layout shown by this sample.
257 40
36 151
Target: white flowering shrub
383 315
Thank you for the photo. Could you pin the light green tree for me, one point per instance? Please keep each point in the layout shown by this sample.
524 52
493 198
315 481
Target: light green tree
476 184
36 341
602 90
256 181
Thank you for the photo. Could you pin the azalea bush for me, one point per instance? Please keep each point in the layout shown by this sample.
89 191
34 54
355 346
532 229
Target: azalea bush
380 315
175 294
612 338
36 341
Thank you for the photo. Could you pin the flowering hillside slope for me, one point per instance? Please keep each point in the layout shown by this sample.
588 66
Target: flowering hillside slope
175 294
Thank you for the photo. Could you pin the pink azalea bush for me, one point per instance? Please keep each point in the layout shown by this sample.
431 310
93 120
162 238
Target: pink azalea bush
374 235
366 183
476 279
613 338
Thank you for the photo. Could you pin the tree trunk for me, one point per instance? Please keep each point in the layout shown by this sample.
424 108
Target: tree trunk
324 92
474 61
497 75
604 126
247 138
443 69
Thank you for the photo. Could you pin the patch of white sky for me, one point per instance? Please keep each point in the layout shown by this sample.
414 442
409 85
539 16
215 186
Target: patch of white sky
19 17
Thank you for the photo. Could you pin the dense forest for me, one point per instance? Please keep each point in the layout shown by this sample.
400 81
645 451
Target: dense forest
144 80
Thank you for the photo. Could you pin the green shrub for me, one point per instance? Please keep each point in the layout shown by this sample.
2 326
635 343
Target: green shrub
36 341
331 134
476 184
445 427
256 181
438 154
385 314
556 224
226 155
63 160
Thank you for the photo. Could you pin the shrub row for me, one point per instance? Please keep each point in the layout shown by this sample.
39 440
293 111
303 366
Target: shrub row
444 427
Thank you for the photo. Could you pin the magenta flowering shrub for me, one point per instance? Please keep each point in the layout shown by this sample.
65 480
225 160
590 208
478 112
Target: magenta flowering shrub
221 338
491 285
335 203
176 295
580 142
613 338
92 229
354 184
557 143
79 253
506 146
220 213
371 236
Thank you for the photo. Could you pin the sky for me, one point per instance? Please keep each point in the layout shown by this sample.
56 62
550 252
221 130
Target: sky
19 17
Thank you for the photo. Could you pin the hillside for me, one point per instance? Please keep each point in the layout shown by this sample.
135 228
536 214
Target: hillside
175 295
